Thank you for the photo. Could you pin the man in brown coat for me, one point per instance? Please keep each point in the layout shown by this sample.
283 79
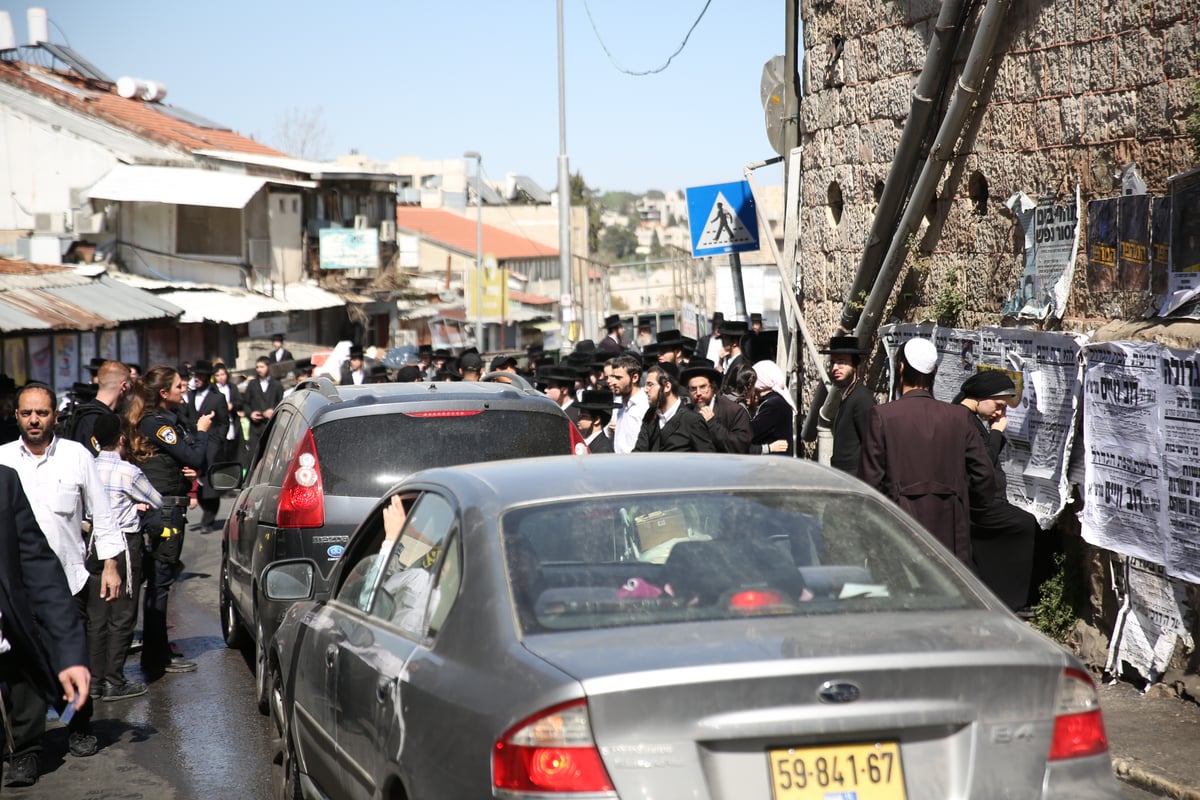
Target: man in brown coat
926 455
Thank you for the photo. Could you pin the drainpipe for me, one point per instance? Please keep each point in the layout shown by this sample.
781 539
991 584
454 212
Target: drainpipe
939 156
938 59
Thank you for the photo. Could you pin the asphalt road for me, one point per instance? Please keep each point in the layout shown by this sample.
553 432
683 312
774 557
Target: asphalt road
196 736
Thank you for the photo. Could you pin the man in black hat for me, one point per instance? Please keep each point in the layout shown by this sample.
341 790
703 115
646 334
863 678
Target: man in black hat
353 371
262 394
612 342
470 365
560 387
200 401
424 357
410 374
674 347
850 424
278 353
595 410
732 361
94 366
1004 538
438 359
670 425
728 421
378 373
756 323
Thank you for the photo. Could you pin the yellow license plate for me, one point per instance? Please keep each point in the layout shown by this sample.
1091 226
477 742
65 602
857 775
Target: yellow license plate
841 772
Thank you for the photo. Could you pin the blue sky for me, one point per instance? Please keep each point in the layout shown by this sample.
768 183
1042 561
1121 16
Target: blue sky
435 78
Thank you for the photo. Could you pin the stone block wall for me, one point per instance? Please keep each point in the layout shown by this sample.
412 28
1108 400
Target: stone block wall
1077 90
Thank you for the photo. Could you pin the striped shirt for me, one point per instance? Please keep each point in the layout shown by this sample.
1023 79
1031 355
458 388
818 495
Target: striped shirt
127 486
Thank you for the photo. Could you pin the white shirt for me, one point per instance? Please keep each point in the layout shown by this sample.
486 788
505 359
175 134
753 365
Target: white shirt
60 484
200 395
588 441
629 422
665 416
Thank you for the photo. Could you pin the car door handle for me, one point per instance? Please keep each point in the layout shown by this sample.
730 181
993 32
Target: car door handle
331 655
383 690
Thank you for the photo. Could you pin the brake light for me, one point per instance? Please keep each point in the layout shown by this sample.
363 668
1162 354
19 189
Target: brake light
1078 724
551 752
578 445
755 598
302 498
429 414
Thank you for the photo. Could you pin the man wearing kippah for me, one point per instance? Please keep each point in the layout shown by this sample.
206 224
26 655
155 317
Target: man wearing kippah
926 455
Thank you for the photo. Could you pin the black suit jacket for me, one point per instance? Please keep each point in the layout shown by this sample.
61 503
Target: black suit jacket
609 346
214 401
601 444
277 358
258 400
730 427
685 432
40 619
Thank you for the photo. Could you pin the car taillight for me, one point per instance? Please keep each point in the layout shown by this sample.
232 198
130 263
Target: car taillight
551 752
578 445
1078 725
751 599
302 498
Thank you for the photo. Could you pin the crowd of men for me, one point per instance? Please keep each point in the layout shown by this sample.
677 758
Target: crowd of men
74 508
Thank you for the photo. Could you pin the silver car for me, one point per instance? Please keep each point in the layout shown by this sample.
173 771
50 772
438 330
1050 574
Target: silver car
666 626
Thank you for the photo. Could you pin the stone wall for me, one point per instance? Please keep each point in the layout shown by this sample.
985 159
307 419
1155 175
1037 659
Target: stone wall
1077 90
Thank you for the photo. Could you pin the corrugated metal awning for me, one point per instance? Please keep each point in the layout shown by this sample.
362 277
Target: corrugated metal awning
180 186
236 307
75 308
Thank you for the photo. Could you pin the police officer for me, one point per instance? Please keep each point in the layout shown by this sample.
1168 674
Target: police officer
172 458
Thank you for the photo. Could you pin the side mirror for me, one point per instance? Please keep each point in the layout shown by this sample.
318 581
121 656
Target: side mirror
225 476
288 580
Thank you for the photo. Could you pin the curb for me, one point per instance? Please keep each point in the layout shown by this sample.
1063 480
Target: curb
1128 772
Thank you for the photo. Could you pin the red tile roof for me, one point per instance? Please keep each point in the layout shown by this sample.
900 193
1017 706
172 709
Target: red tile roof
11 267
137 116
530 299
460 234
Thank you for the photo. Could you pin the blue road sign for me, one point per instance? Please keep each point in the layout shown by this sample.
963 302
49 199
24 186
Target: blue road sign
722 219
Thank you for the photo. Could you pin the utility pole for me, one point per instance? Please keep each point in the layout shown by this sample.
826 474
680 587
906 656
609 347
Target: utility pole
564 200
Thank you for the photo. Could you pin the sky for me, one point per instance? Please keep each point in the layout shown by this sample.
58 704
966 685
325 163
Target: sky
437 78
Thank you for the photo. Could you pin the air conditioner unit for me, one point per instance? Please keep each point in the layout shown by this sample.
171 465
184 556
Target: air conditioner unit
84 221
387 231
360 222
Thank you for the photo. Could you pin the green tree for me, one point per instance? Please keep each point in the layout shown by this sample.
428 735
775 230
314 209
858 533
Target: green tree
581 195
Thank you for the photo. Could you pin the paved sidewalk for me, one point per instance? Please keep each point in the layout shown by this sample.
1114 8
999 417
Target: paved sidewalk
1154 740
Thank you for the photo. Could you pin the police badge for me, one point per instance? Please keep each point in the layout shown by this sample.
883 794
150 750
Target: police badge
166 434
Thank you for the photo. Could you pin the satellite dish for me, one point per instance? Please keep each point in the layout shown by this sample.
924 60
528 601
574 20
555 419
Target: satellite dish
772 90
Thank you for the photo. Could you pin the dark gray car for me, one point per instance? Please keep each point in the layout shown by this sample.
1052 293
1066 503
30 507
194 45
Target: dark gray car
330 451
666 626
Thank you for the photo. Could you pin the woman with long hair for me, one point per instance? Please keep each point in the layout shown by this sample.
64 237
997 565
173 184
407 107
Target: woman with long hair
171 457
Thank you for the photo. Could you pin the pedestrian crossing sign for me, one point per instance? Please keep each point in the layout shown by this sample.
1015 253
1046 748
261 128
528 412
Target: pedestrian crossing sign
722 219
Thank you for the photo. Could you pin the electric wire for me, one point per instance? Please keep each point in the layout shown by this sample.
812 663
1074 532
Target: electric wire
656 70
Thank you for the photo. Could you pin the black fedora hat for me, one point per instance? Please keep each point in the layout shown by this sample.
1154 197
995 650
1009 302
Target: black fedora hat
612 321
843 345
203 367
701 367
760 345
356 351
733 328
559 374
599 400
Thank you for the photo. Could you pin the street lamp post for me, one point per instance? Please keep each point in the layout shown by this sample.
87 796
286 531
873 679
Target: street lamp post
478 247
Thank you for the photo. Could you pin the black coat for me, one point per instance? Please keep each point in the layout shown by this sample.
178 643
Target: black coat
730 427
176 446
601 444
255 399
213 402
38 615
609 346
729 379
849 427
686 432
772 421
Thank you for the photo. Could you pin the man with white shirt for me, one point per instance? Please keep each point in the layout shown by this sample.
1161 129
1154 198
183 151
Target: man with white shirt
278 352
353 371
671 425
61 480
627 422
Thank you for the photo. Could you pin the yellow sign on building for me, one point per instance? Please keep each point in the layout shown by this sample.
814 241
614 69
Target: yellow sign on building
495 292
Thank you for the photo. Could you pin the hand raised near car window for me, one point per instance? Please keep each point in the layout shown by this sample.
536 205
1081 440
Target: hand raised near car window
393 519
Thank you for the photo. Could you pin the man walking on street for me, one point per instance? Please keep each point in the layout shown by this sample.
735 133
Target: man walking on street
850 424
611 343
926 455
42 645
200 401
263 393
670 425
61 480
627 422
728 422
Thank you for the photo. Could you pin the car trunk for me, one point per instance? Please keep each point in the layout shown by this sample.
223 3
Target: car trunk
950 706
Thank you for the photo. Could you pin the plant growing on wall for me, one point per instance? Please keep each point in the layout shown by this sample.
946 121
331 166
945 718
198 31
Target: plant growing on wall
948 306
1193 119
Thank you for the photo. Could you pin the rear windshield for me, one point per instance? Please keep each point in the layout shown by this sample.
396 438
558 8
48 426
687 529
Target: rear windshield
363 456
648 559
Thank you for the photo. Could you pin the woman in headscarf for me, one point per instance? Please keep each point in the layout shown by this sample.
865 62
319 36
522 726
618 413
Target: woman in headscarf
771 427
1002 535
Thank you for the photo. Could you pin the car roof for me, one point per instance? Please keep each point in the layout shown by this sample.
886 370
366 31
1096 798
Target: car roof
536 480
327 396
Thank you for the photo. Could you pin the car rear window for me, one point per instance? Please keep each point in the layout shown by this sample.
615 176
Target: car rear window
363 456
660 558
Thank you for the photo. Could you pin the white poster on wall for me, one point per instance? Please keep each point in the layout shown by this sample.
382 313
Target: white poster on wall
1179 371
1122 426
1152 622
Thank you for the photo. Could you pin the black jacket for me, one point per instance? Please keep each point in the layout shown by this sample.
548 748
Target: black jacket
255 399
213 402
38 615
849 428
730 427
84 423
772 421
686 432
176 447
